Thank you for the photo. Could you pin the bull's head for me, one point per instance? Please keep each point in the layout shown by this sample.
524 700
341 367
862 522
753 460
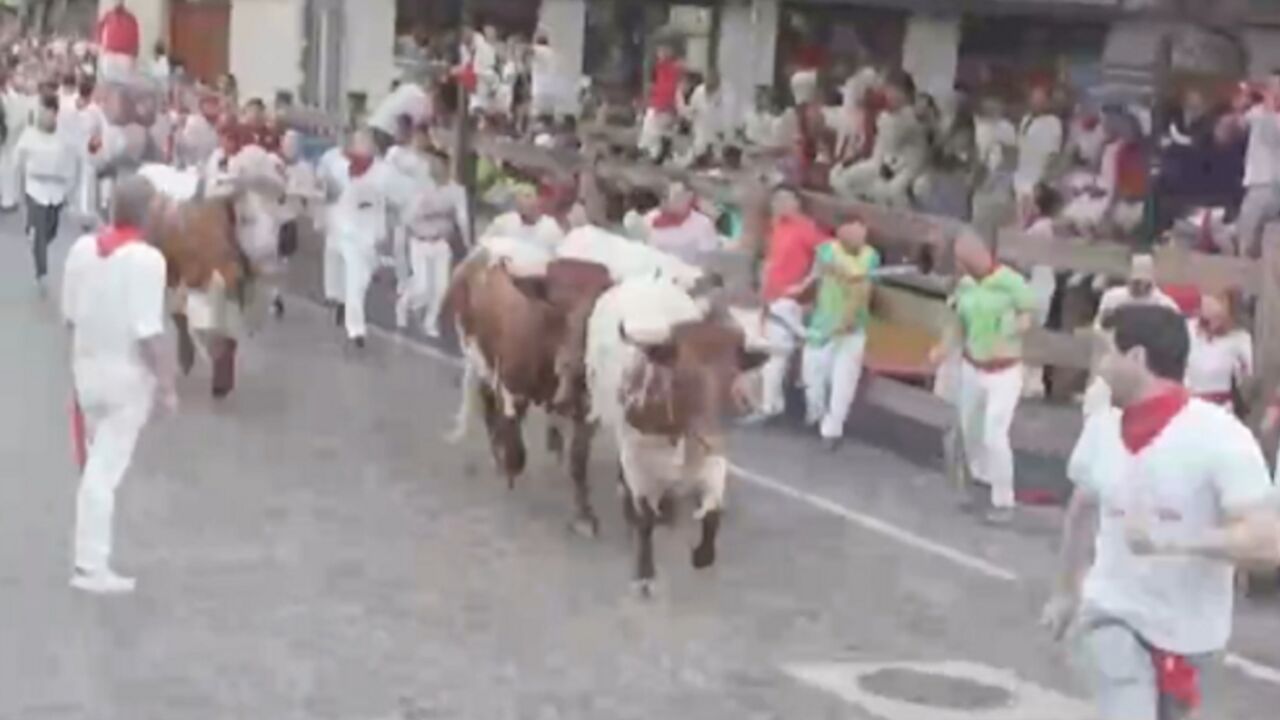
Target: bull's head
699 363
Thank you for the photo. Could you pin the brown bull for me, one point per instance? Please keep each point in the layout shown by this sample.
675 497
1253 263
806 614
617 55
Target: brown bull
514 334
198 240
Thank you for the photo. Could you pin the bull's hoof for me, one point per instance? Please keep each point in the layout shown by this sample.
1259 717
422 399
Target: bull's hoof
586 526
643 588
704 556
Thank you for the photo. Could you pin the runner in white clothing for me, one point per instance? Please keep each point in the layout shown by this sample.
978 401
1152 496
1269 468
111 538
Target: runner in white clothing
527 223
113 299
436 214
1181 495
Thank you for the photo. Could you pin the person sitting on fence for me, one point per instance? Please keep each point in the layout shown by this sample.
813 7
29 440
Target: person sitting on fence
899 156
712 113
660 112
1259 114
1042 278
1116 197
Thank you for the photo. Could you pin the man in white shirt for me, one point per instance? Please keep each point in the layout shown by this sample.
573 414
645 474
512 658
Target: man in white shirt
996 139
407 100
527 223
678 228
47 166
1040 140
713 117
1181 495
113 300
1139 290
436 213
547 80
1261 167
361 188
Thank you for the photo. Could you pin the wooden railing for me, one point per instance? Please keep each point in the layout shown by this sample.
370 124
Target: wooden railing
907 232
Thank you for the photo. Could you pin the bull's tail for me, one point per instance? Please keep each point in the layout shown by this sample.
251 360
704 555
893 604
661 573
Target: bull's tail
467 405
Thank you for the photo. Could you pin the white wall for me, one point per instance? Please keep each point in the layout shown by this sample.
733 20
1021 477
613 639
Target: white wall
266 46
931 52
566 23
370 47
153 21
748 43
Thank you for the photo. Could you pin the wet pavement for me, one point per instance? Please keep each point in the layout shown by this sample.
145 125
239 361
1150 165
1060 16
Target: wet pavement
311 549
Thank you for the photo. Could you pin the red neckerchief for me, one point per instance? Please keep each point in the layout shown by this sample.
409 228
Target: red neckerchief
116 237
667 219
1143 422
358 164
1208 330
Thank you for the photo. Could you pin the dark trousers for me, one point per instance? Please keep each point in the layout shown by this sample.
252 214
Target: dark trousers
42 223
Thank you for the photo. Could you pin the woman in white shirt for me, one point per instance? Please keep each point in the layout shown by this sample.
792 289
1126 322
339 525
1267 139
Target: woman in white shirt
47 167
1221 357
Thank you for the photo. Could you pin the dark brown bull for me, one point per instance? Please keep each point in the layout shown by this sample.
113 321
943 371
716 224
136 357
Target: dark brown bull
678 398
513 332
198 239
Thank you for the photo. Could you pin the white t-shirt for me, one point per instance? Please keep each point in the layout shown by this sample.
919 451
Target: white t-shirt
1039 140
545 76
689 241
49 165
545 233
1204 464
1215 361
112 304
1119 296
408 99
1262 158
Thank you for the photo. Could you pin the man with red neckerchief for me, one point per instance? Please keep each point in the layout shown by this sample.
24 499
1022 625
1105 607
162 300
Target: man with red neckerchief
113 300
1180 494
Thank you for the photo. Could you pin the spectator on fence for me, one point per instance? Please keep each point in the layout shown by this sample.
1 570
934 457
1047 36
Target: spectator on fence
900 153
1086 139
1042 279
993 307
761 127
547 79
660 111
1261 204
996 146
1040 138
1221 359
713 116
1115 197
804 128
946 185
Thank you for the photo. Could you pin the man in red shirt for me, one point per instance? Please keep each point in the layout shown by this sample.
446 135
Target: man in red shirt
793 240
659 116
118 41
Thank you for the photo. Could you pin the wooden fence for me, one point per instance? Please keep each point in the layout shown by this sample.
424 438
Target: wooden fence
906 232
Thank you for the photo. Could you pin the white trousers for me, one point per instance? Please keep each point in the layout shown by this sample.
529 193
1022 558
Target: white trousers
655 127
831 374
348 272
112 426
780 331
429 264
987 401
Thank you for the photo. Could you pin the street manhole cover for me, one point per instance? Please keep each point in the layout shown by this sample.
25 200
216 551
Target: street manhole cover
934 689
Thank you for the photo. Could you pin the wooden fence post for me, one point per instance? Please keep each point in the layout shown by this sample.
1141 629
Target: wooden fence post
1266 325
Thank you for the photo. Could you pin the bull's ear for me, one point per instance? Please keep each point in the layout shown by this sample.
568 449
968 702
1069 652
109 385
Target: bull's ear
749 360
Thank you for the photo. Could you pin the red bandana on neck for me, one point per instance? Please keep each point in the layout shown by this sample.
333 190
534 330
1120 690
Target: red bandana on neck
668 219
1143 422
116 237
359 164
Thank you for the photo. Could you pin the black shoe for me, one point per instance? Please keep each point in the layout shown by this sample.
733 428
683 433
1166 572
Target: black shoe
277 307
358 342
831 445
340 315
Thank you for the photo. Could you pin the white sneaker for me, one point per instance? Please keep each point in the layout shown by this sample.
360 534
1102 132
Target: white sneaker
432 330
103 582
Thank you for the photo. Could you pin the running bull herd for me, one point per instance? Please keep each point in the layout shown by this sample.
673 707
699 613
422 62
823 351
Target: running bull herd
607 333
610 334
